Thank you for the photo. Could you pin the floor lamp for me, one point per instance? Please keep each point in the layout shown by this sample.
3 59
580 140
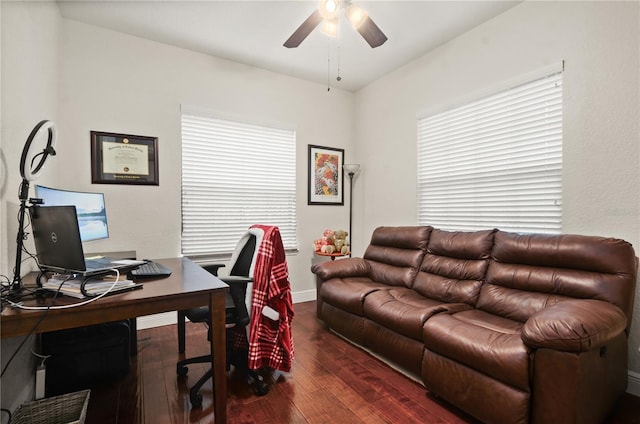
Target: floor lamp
351 169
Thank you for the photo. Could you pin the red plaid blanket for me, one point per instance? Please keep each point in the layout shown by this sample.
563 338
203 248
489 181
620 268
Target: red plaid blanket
271 342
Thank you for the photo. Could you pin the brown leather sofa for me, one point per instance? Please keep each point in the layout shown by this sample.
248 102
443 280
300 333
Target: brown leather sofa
511 328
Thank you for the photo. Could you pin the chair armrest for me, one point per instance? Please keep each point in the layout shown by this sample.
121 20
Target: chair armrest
349 267
236 279
213 268
238 291
574 325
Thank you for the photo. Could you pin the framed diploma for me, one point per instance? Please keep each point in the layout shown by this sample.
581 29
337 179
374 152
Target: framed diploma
123 159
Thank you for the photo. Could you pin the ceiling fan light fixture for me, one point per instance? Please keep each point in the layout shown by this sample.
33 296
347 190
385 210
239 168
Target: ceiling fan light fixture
356 15
328 9
327 13
330 27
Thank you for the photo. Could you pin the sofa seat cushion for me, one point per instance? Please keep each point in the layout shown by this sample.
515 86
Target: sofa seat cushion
348 293
403 310
487 343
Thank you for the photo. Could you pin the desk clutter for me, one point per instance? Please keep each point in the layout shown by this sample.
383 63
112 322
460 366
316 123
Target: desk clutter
81 288
333 242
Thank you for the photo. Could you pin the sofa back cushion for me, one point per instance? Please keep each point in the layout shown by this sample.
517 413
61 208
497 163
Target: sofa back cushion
395 253
529 272
454 267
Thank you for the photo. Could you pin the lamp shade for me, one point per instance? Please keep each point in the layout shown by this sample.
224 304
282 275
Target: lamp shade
351 168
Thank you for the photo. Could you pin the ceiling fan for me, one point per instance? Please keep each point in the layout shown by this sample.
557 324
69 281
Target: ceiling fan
327 12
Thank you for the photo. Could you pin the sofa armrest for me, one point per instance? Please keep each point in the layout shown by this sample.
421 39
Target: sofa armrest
574 325
348 267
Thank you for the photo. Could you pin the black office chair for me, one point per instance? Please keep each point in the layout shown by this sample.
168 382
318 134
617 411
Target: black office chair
237 315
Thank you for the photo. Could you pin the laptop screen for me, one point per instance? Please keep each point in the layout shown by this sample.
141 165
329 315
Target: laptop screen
57 237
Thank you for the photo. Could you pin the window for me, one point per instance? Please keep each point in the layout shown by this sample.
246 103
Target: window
495 162
234 174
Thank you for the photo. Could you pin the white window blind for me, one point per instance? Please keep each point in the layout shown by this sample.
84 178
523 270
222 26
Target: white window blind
234 175
495 162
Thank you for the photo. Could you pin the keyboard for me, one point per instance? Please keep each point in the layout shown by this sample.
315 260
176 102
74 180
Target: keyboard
97 263
151 269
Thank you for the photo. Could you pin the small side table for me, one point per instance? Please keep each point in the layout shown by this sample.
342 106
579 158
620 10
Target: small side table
333 256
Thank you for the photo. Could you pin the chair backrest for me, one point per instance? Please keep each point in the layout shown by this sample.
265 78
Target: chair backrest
241 292
242 266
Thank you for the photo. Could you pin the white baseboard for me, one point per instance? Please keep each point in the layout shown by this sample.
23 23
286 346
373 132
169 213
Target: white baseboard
169 318
634 384
304 296
157 320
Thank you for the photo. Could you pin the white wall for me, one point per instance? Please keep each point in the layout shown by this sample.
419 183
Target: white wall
30 34
29 70
599 42
114 82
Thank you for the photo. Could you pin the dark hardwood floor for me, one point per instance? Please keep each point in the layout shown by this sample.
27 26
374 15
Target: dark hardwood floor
332 381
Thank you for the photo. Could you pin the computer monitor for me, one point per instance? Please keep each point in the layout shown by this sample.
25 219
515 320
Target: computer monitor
90 208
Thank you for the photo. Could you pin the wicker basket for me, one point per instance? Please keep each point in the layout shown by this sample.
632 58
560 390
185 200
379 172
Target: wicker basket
70 408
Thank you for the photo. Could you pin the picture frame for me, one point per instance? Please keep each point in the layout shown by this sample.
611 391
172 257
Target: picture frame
326 176
123 159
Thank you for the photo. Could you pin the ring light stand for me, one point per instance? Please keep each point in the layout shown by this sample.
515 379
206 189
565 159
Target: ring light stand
30 169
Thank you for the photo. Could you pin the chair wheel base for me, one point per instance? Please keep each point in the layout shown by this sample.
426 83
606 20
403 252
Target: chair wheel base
196 400
262 388
181 370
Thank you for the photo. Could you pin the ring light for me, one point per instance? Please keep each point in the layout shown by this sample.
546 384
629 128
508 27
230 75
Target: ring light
30 172
27 170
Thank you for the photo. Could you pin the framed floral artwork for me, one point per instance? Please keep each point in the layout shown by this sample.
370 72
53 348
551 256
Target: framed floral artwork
326 177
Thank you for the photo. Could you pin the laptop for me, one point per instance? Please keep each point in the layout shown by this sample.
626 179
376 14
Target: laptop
59 249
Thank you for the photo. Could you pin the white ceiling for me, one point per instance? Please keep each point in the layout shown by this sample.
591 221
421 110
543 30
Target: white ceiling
252 32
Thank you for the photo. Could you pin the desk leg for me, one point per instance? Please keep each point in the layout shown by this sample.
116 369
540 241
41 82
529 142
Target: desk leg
219 355
133 336
181 331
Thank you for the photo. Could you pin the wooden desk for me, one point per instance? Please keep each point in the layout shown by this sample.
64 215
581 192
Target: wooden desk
189 286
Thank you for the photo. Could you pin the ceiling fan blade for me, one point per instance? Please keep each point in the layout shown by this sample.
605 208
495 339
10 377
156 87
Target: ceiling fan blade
304 30
371 33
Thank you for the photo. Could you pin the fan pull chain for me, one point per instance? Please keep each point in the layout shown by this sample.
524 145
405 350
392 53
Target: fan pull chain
338 78
328 65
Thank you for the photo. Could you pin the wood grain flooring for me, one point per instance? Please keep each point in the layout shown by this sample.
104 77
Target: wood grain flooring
331 381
